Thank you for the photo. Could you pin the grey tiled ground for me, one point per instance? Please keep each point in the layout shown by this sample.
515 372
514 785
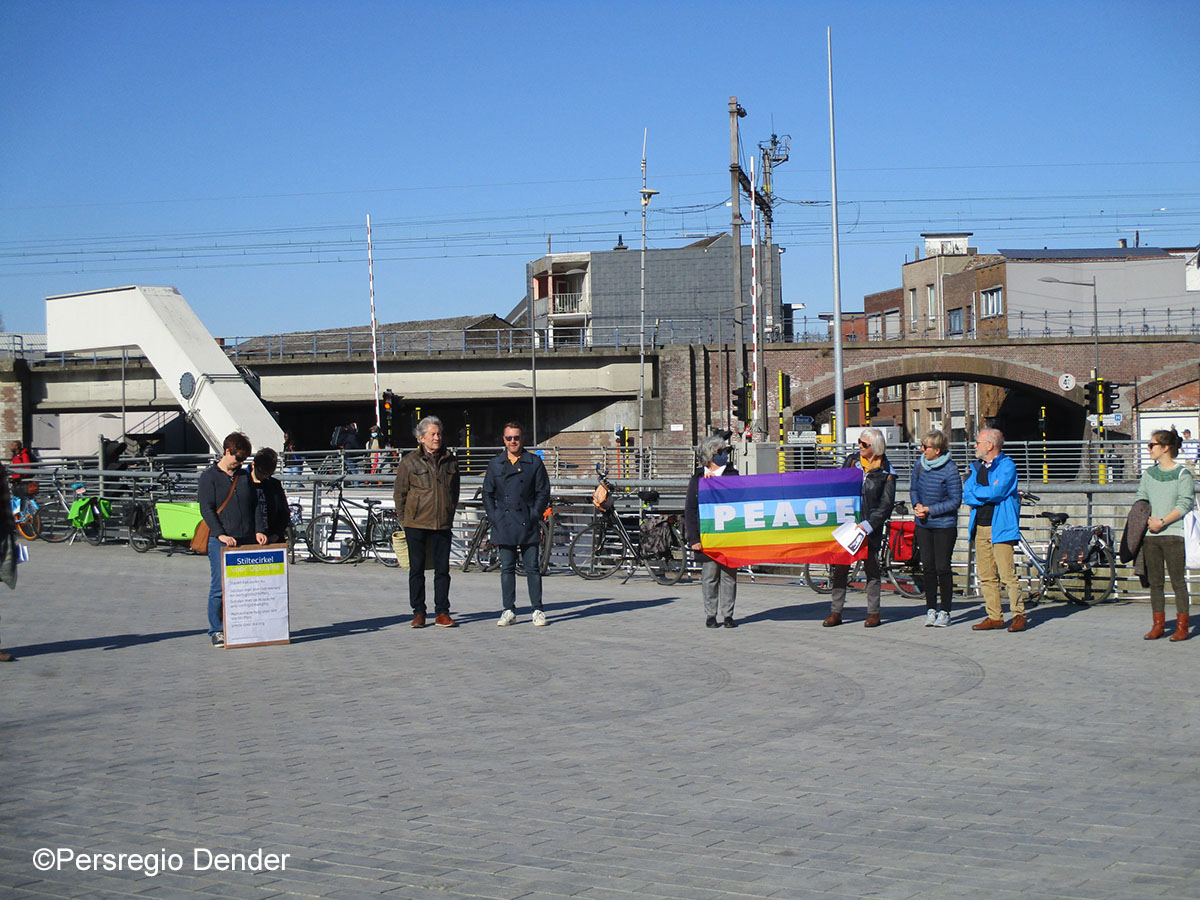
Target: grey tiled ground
624 752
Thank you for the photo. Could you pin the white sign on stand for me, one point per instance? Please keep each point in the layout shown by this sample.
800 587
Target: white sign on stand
255 580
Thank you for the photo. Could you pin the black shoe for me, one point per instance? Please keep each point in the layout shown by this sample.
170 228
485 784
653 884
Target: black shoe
729 623
711 622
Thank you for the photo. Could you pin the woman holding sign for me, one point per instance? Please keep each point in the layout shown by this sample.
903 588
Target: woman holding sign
718 582
878 496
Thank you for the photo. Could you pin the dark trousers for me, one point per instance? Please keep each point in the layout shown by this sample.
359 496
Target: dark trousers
433 545
1166 551
508 574
936 546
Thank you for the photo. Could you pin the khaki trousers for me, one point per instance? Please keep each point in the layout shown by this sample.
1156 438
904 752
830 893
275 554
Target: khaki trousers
994 564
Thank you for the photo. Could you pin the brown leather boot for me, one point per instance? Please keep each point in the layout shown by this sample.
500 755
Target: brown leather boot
833 621
1181 627
1160 623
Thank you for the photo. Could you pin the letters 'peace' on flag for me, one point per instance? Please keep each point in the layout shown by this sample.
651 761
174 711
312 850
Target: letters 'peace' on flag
789 518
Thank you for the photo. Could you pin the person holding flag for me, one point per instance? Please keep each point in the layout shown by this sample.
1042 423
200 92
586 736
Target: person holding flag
718 582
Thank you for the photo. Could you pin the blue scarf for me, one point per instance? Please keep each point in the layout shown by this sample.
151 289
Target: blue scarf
937 463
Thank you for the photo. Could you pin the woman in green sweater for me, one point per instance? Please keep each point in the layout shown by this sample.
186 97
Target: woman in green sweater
1171 491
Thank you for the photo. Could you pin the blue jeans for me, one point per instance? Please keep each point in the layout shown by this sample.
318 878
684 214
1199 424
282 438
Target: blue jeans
508 574
216 592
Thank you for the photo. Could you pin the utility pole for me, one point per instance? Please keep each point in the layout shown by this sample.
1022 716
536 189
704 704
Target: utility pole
735 193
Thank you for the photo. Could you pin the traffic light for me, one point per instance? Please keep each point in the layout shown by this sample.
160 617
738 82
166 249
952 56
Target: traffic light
1091 391
870 400
785 390
1111 400
741 403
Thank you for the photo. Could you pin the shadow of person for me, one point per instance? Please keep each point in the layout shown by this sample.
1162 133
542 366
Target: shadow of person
345 629
108 642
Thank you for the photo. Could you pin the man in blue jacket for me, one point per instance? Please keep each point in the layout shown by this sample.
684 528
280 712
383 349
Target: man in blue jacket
516 491
991 492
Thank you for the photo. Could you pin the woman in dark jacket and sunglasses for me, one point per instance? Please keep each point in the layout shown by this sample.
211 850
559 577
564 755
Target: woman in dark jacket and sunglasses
878 497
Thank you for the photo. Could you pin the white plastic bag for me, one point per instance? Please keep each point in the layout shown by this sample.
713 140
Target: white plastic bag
1191 539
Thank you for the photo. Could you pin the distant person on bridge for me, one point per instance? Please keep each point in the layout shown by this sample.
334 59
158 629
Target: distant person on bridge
1170 490
991 491
426 495
878 498
20 457
8 544
936 496
227 499
1189 453
516 491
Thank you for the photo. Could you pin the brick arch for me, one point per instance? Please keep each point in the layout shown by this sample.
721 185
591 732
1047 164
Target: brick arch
1175 377
883 372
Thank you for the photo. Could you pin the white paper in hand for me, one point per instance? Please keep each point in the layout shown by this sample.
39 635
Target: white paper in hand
848 535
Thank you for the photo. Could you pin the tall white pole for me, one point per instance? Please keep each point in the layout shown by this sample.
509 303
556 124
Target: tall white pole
756 408
642 328
374 325
839 385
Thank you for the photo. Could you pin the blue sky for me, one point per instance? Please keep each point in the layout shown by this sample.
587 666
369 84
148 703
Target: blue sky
234 150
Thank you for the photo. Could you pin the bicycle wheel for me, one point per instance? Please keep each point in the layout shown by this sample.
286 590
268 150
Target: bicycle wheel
547 545
669 569
143 538
28 521
597 551
55 526
907 577
1095 583
477 538
331 540
93 531
819 577
379 534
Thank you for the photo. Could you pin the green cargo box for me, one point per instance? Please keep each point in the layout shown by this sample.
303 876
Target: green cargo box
178 521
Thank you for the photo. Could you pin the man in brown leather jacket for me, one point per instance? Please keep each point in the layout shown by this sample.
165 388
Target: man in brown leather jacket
426 495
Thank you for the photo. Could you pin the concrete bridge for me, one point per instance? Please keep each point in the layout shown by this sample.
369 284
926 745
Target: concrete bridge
585 393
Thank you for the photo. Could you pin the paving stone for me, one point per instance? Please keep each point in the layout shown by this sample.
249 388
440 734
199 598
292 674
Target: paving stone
625 753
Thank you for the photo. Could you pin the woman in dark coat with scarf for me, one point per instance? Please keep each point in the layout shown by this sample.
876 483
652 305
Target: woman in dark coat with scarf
878 497
936 496
516 491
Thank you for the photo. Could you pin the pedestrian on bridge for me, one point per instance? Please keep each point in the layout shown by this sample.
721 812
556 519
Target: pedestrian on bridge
990 489
936 496
426 495
1171 490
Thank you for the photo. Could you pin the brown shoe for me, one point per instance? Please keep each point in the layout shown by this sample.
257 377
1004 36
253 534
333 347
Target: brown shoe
872 621
1181 627
1018 624
444 620
5 656
1158 628
418 620
988 624
834 619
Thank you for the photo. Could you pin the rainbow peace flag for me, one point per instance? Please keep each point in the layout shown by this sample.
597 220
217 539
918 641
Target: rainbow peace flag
786 519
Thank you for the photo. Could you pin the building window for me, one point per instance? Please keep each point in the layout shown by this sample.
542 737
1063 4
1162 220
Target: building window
912 309
991 302
892 392
954 322
875 327
931 303
891 324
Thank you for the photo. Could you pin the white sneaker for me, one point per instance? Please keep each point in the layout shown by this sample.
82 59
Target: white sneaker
930 618
942 620
539 617
508 617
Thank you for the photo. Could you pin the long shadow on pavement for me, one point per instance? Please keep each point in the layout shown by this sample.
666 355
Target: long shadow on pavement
345 629
111 642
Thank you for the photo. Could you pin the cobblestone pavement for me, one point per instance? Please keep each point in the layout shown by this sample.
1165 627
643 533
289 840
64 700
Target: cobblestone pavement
624 752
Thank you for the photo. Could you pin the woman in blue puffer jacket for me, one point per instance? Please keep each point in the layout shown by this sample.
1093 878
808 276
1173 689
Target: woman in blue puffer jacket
936 497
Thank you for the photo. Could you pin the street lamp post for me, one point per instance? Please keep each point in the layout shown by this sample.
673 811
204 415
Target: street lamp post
1050 279
646 193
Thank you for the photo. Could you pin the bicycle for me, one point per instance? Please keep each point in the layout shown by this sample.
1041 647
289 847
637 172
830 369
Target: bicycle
904 575
25 509
1090 577
64 519
374 537
168 520
606 544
